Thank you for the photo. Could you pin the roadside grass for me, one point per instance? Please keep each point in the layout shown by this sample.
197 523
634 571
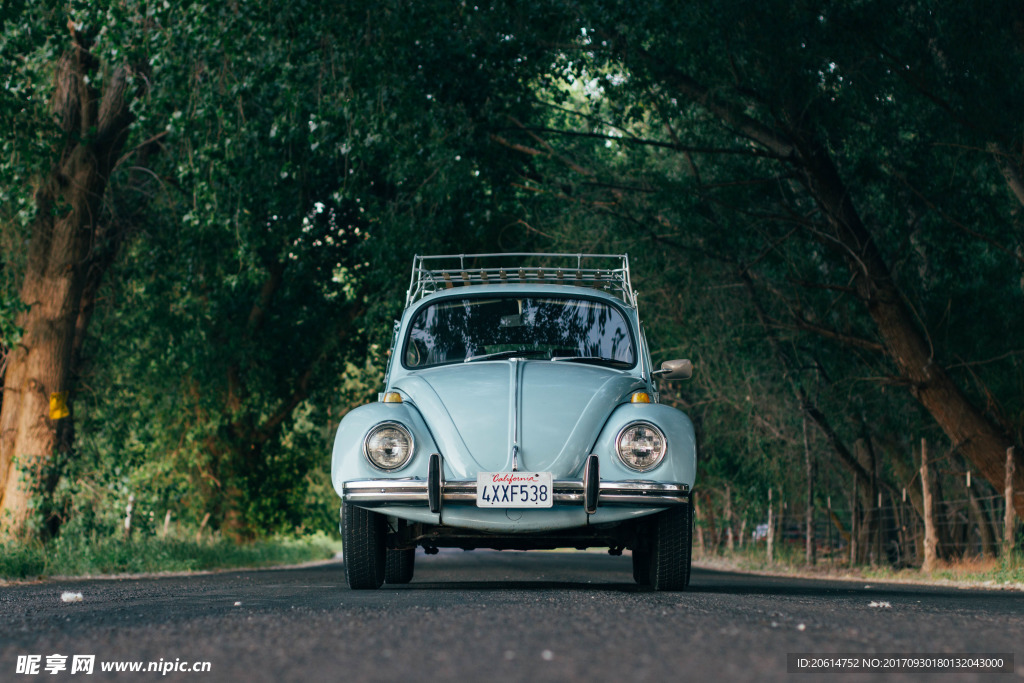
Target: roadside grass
791 559
91 556
974 570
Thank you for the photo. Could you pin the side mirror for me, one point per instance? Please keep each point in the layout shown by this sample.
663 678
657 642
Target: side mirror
675 369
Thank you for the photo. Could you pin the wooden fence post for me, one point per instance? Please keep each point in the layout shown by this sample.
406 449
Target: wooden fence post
930 539
128 517
828 529
811 555
854 524
699 526
729 541
199 534
1008 525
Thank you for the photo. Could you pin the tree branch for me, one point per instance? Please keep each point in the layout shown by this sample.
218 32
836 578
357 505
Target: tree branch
848 340
957 224
646 142
1010 171
806 405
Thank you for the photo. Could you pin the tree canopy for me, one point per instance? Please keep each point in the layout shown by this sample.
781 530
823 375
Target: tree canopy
822 202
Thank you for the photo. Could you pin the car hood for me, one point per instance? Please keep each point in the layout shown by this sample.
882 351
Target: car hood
471 410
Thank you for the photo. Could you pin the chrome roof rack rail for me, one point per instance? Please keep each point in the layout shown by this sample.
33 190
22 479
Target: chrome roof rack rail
609 272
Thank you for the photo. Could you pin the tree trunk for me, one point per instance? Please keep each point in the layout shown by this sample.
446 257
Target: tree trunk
972 434
69 205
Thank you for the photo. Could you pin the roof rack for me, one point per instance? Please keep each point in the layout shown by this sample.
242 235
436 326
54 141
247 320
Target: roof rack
608 272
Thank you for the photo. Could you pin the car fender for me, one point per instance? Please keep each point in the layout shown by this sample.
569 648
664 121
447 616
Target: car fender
348 461
680 462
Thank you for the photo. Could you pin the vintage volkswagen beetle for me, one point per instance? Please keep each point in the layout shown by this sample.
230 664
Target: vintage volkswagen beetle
520 412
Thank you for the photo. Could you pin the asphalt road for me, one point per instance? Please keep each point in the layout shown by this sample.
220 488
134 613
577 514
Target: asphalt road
489 616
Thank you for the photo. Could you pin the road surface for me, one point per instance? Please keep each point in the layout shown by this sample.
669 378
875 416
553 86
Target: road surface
493 616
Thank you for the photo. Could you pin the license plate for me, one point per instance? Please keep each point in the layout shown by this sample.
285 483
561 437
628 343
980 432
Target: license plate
514 490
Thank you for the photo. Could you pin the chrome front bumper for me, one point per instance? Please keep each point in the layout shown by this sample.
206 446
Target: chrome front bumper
588 492
567 492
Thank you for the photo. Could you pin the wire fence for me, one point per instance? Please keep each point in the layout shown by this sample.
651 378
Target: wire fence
940 515
890 532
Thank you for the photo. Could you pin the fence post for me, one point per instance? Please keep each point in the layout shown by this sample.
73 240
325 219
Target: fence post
202 526
729 541
828 530
854 524
811 557
128 517
1008 517
699 525
771 531
930 539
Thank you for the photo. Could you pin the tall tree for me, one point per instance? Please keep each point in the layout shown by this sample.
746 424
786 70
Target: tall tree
69 237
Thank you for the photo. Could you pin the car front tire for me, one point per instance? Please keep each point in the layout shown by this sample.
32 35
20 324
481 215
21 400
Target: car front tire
399 566
642 567
671 545
363 536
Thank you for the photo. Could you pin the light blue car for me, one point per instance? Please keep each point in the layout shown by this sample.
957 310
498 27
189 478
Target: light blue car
520 412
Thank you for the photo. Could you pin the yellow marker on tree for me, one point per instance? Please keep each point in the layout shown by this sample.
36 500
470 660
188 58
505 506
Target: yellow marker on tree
59 405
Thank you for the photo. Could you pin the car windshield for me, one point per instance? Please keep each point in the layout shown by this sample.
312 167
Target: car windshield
547 328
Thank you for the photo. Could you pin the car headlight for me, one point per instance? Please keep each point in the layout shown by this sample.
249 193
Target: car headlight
388 446
640 446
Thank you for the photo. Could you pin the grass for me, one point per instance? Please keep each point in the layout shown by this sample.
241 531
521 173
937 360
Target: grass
973 570
106 555
754 557
982 572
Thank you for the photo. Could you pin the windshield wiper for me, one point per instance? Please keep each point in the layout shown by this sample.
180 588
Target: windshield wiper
498 355
594 360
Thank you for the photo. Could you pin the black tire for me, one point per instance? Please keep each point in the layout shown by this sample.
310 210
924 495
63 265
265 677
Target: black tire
399 566
363 547
642 567
671 542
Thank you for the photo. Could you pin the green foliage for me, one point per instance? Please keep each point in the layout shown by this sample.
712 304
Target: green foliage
73 555
297 156
288 159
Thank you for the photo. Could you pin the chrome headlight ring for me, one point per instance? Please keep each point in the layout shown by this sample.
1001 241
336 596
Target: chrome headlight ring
641 446
388 446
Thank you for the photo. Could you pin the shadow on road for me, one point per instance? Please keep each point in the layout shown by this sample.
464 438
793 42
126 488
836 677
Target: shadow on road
538 586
